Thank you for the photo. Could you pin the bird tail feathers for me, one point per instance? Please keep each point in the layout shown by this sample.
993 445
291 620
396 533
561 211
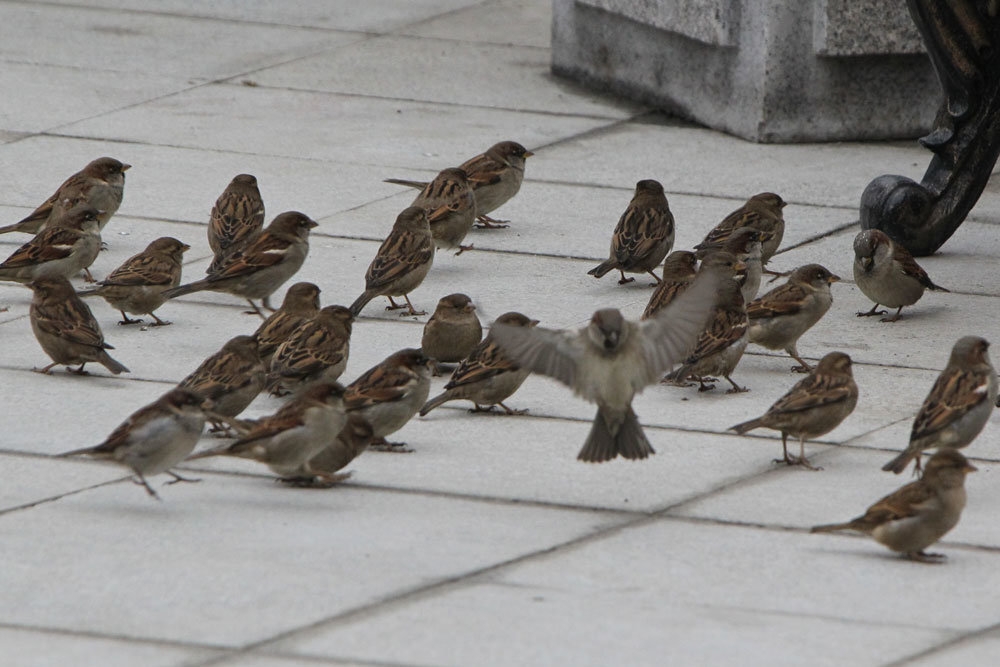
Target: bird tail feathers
746 426
112 365
360 303
602 268
603 445
833 527
419 185
438 400
898 464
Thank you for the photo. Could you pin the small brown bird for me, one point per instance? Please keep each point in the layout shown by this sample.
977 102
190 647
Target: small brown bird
263 266
644 234
486 377
779 318
389 394
450 207
300 305
137 285
762 212
958 405
236 219
66 329
100 185
495 177
61 250
322 469
816 405
723 339
287 440
887 274
316 352
679 269
919 514
231 378
156 437
401 263
745 244
453 330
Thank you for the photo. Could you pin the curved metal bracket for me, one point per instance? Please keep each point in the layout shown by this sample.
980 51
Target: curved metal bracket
963 40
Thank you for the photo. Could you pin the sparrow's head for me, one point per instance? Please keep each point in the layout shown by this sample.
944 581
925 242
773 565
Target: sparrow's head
291 223
336 316
82 217
455 303
322 392
180 397
680 263
869 243
243 346
106 169
245 180
301 296
742 240
969 351
834 363
516 319
947 469
411 358
168 245
607 330
55 288
768 201
510 152
648 186
414 220
814 275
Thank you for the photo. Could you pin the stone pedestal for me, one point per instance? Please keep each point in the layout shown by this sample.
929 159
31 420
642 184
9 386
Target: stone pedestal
765 70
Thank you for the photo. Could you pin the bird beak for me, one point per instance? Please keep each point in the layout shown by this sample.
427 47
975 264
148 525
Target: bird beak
528 154
535 322
764 236
969 468
470 308
866 263
833 279
126 167
185 246
313 223
207 405
739 266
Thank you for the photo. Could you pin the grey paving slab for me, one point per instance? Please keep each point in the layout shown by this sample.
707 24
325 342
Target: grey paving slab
181 569
165 45
38 648
374 15
522 22
694 584
251 660
21 485
975 651
432 70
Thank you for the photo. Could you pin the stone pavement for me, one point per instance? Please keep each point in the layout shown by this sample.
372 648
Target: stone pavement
490 544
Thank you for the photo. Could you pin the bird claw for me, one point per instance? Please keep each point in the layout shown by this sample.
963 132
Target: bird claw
626 281
126 321
486 222
869 313
463 248
924 557
391 447
796 461
177 478
736 389
316 481
801 369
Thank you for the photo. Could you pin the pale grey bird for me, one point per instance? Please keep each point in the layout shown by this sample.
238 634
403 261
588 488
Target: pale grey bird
887 274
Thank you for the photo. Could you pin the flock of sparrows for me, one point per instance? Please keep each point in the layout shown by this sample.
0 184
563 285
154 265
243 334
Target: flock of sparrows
697 324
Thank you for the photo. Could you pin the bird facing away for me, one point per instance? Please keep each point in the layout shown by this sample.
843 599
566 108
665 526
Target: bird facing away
236 219
156 437
644 234
62 249
958 405
315 352
779 318
137 285
816 405
612 359
679 269
887 274
300 305
231 378
450 206
919 514
321 470
763 212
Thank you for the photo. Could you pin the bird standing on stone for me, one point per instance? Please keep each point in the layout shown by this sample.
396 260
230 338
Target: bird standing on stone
315 352
453 330
919 514
779 318
66 329
262 267
816 405
450 206
61 250
321 470
763 212
300 305
612 359
401 263
231 378
679 269
745 244
236 219
958 405
644 234
100 185
137 285
887 274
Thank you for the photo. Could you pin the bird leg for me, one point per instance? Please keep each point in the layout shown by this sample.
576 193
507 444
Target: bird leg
705 383
486 222
178 478
803 367
655 277
776 274
736 388
916 468
255 311
924 557
512 412
786 459
88 276
873 311
463 248
802 455
316 480
126 321
159 322
267 303
382 445
393 305
142 482
78 371
624 280
47 370
894 317
409 305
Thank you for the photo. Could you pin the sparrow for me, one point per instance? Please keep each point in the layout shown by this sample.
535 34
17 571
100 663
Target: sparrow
321 470
779 318
887 274
156 437
644 234
401 263
816 405
236 219
262 267
61 250
288 439
231 378
919 514
389 394
487 377
300 305
495 177
745 244
720 345
958 406
66 329
612 359
763 212
679 270
99 185
453 330
137 285
450 207
315 352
